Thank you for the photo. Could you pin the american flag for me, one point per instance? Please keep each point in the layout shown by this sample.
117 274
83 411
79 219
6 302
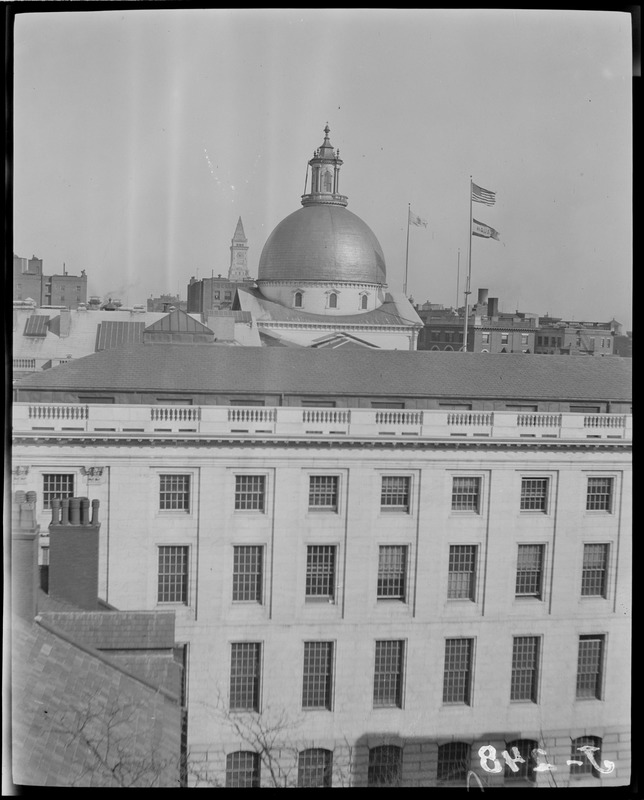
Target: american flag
480 195
414 219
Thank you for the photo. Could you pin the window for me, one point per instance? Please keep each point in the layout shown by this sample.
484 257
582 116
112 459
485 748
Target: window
394 493
521 748
485 338
318 403
250 492
56 487
387 404
298 300
457 673
323 493
244 676
363 301
461 578
599 494
453 761
315 768
387 682
392 572
466 494
385 765
525 668
247 573
242 770
534 494
318 665
504 338
582 765
589 667
173 575
529 570
594 569
333 300
174 492
320 572
227 295
524 338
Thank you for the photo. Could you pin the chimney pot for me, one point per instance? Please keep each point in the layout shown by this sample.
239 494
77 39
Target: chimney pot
74 510
64 517
84 510
55 511
31 497
95 505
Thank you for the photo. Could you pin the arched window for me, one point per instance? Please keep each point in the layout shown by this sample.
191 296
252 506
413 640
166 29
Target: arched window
586 767
525 771
242 769
385 765
298 300
314 767
449 347
363 301
328 182
435 347
453 761
333 300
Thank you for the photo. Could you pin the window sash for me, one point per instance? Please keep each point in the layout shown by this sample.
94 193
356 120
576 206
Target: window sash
525 657
248 573
453 761
242 770
320 571
173 574
599 494
57 487
526 767
385 765
387 683
250 491
392 572
529 579
585 768
534 494
589 667
461 578
594 570
174 492
323 492
394 493
315 768
245 676
317 675
466 494
457 671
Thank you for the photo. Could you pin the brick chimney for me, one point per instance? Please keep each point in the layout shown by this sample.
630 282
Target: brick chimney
493 307
482 297
73 552
25 533
65 322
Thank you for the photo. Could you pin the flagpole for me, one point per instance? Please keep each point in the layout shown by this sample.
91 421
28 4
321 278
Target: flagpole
407 252
458 274
469 275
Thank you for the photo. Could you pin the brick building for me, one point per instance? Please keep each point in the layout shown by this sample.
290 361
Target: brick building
47 290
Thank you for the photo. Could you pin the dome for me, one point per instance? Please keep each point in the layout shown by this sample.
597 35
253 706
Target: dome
322 243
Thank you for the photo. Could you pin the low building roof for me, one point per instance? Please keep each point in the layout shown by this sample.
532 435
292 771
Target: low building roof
203 368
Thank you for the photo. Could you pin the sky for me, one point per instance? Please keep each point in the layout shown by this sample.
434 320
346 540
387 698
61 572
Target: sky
141 137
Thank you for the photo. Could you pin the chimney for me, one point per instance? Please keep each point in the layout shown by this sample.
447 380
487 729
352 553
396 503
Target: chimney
482 297
65 322
24 555
73 552
493 307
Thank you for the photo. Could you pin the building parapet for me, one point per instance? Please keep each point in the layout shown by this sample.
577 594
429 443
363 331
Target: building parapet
295 421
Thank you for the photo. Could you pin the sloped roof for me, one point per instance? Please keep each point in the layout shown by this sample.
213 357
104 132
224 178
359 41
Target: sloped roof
113 333
120 630
177 321
208 369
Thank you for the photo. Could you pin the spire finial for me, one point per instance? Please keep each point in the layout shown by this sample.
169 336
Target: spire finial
327 131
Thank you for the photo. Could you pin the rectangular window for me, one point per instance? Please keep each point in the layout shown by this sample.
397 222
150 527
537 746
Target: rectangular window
594 570
387 682
174 492
504 338
461 578
247 573
320 572
244 676
250 491
529 570
485 338
599 494
173 575
534 494
392 572
589 667
387 404
318 668
394 493
524 338
466 494
315 768
323 493
56 487
457 674
525 668
242 770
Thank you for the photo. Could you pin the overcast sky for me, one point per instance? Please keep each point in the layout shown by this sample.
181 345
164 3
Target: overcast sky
142 136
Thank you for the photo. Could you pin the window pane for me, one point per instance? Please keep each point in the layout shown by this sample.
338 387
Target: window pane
320 571
244 676
323 492
314 768
594 745
525 768
534 494
242 770
174 493
385 766
589 666
456 676
316 689
392 569
598 497
529 570
465 494
593 576
57 487
453 761
173 575
394 494
461 577
247 574
387 683
525 654
249 492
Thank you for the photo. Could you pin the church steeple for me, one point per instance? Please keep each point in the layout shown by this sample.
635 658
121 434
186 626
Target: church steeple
325 176
238 270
